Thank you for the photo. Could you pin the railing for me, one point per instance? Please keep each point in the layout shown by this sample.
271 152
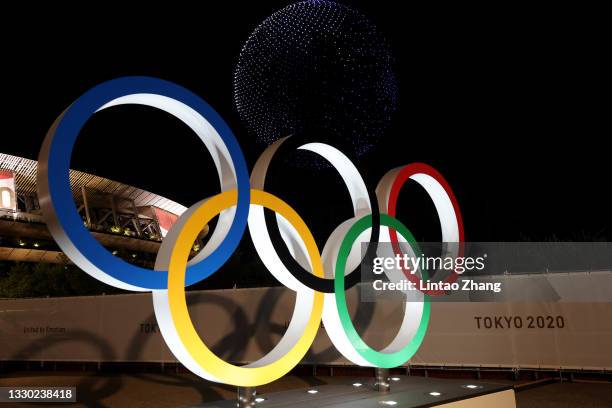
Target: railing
20 216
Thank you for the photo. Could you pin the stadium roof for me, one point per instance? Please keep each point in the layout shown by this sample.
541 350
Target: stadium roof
25 183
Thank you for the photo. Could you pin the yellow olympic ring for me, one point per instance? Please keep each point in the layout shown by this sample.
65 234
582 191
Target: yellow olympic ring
264 370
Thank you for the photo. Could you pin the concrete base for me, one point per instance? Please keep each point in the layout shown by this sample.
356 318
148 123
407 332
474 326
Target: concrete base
412 392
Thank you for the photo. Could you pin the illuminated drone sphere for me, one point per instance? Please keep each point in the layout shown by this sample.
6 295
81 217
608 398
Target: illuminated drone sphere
316 67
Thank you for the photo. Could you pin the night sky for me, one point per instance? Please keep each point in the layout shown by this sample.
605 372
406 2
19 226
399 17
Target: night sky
508 107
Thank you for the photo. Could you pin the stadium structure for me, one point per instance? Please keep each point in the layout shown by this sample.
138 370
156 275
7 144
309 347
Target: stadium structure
127 220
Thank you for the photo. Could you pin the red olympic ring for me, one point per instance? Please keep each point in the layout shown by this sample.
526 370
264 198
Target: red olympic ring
402 177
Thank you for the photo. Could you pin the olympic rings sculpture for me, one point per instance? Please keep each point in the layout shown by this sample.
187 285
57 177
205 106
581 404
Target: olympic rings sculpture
281 238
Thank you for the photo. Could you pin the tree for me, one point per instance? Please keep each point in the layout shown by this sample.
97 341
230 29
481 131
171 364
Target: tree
23 279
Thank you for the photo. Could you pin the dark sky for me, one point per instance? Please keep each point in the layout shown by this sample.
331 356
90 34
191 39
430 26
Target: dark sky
507 104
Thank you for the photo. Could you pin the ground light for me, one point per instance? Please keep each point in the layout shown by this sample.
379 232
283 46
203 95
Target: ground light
388 402
435 393
357 384
312 391
395 379
259 400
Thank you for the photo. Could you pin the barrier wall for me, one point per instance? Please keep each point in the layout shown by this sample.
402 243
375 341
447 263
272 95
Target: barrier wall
242 324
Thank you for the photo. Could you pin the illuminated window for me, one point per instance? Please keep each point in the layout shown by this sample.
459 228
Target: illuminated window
6 199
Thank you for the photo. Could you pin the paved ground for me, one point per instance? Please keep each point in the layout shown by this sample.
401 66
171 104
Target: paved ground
141 390
180 390
561 395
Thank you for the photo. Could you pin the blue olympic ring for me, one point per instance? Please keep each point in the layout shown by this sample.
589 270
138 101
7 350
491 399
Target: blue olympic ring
60 150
